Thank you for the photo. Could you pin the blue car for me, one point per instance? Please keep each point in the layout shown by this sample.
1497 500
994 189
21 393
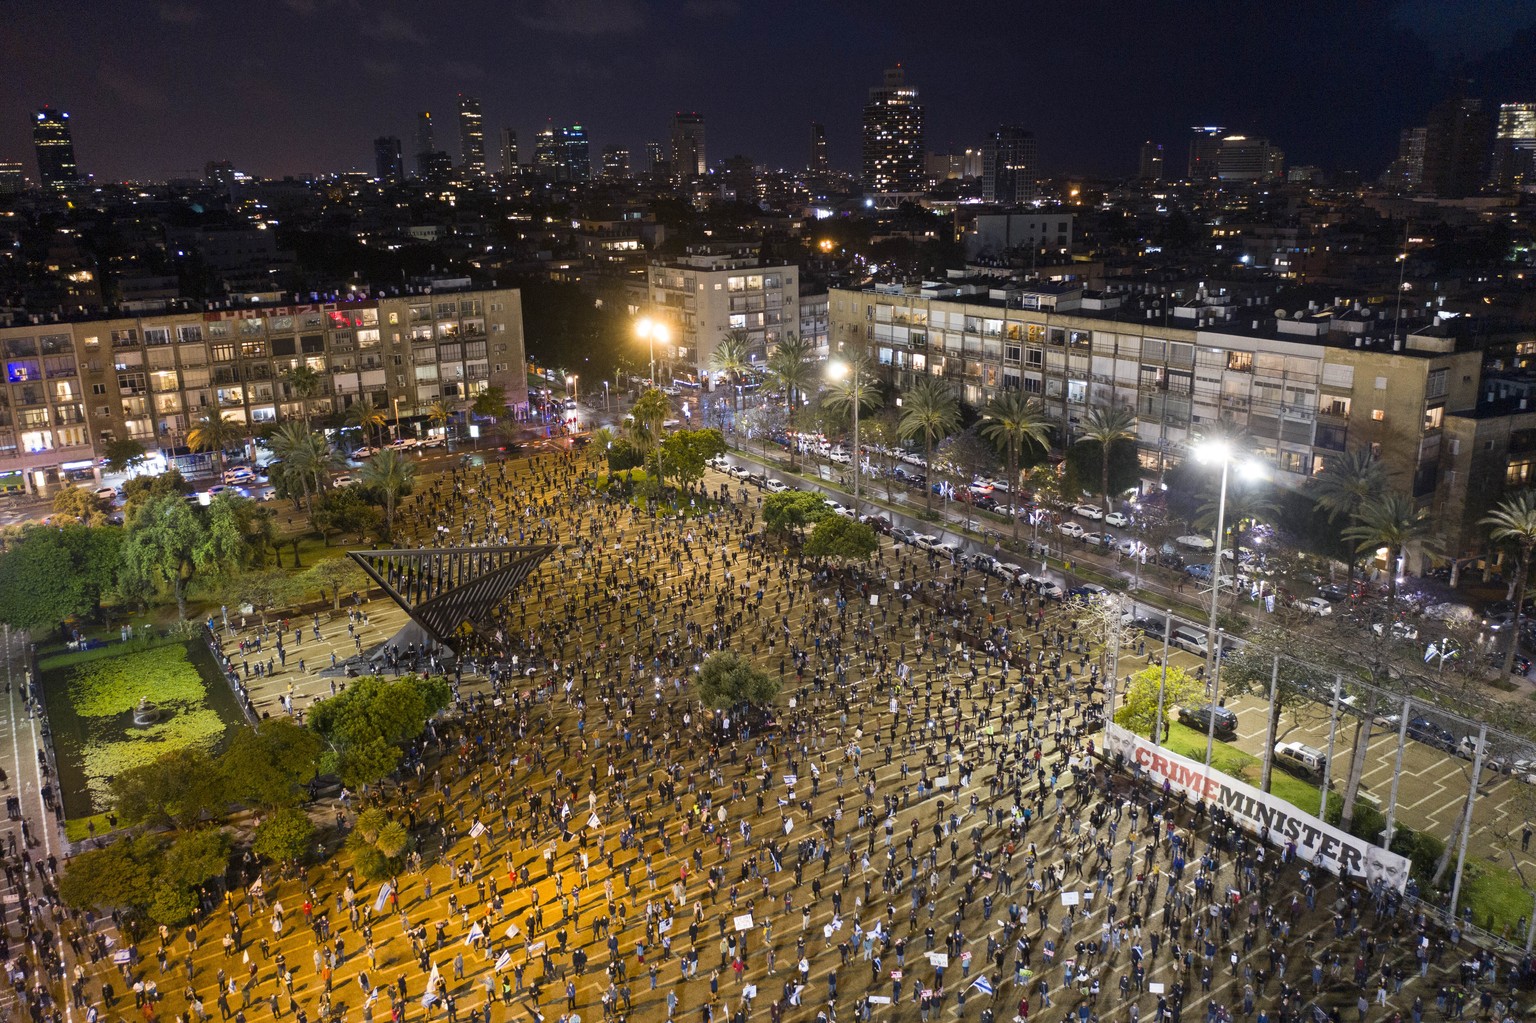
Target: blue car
1200 570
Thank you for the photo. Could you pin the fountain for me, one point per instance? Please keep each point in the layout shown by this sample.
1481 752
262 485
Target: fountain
145 713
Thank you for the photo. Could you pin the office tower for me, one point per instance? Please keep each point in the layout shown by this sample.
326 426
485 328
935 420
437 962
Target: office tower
615 163
426 142
1204 147
893 136
1150 165
55 149
575 154
220 174
546 154
655 159
1514 146
1249 158
1456 147
688 145
471 138
388 166
1008 165
1407 171
509 152
13 179
818 164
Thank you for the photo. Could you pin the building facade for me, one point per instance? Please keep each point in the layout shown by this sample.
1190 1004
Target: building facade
388 164
471 138
702 295
1305 386
688 157
1514 146
893 137
1009 170
72 388
55 146
1149 164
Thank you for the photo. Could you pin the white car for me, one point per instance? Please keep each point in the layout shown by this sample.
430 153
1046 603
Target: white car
1312 606
1088 511
1117 519
946 550
740 472
433 442
343 480
1099 539
1050 590
1072 529
775 486
107 494
1195 542
239 474
1131 548
840 509
926 541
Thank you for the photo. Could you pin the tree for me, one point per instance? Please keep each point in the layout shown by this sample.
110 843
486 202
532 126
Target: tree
177 789
124 455
344 510
378 843
266 766
303 383
1247 505
647 419
1392 521
1015 424
337 575
685 453
264 590
855 389
391 475
1514 521
1105 425
929 412
284 836
1348 481
788 514
215 434
78 506
959 459
727 680
305 462
369 418
1249 671
120 875
490 402
439 413
168 543
48 574
733 357
140 490
1138 711
366 724
836 537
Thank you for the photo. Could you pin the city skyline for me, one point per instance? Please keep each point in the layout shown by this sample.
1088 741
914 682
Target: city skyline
623 67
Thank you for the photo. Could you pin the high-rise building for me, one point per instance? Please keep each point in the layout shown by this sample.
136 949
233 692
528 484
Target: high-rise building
1456 147
55 149
546 153
1150 164
688 145
509 152
426 141
655 159
1407 172
1009 160
818 164
13 177
388 166
1204 146
1249 158
220 174
893 136
1514 146
471 138
615 163
575 153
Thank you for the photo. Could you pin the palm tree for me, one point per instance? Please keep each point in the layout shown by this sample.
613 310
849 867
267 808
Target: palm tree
1107 424
791 370
438 412
1246 505
1514 521
733 357
647 418
306 460
858 388
1011 421
214 433
1346 482
392 474
303 383
367 416
1394 522
930 411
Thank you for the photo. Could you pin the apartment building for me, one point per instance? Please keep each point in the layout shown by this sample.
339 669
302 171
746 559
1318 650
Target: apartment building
704 294
1305 384
72 387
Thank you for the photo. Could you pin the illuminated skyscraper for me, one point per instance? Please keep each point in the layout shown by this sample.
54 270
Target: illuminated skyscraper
471 138
1150 165
388 166
616 162
655 159
688 145
1514 146
55 149
1204 147
893 137
1456 146
818 164
509 165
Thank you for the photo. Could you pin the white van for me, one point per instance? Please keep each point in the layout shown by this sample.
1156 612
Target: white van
1187 637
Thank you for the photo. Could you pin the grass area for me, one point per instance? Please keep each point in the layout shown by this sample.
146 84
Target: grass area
60 656
78 829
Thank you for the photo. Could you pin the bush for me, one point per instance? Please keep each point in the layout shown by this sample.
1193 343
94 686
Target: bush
624 455
1423 852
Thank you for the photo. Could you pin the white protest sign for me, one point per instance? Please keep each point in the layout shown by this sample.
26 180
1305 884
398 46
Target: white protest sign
743 922
1069 898
879 1000
938 960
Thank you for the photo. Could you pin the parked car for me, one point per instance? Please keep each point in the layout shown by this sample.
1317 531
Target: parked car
1332 592
1072 529
946 550
1088 511
239 474
1313 606
1195 542
1130 548
106 494
1049 590
344 480
925 541
1199 570
1119 519
1012 572
879 523
1199 718
1087 591
1099 539
1150 626
1431 734
775 486
901 534
1301 759
840 509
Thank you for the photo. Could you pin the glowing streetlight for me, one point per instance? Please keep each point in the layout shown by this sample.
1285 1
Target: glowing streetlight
849 375
653 331
1209 451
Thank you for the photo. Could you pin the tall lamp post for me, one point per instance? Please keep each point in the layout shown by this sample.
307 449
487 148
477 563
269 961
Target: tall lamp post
852 372
1218 451
653 331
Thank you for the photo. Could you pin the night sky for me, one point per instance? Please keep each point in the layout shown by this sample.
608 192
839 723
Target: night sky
155 89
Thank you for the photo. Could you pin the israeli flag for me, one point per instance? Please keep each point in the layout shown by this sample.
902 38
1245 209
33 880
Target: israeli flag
983 984
1431 653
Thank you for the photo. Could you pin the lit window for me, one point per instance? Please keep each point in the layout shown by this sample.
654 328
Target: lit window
1378 414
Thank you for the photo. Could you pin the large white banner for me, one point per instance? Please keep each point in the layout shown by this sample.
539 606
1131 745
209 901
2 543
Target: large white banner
1316 842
